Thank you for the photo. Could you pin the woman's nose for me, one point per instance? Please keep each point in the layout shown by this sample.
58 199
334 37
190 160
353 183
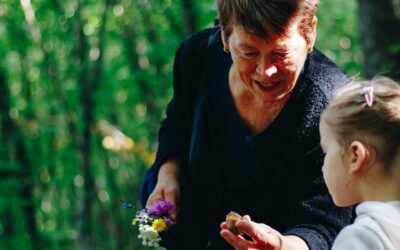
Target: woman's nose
269 71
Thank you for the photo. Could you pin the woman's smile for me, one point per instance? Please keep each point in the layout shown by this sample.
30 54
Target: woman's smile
266 86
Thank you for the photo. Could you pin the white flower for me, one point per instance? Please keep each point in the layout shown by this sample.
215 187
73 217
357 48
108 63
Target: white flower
142 217
148 235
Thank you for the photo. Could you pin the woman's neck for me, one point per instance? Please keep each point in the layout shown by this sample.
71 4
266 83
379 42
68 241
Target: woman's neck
256 113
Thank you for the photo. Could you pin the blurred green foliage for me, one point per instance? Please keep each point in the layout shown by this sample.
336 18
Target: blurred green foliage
338 36
100 68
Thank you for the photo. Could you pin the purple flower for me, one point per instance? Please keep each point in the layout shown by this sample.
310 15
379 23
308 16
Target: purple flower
162 207
168 221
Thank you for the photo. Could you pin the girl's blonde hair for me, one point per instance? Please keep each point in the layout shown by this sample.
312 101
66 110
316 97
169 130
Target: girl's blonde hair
378 125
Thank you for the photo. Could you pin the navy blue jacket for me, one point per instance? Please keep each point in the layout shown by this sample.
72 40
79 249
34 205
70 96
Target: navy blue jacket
275 177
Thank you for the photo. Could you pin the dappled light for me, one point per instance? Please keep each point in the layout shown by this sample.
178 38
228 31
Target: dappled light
84 87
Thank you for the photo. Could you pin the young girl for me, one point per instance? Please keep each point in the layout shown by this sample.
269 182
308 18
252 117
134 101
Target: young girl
360 136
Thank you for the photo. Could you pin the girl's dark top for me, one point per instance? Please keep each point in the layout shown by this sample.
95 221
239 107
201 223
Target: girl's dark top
275 176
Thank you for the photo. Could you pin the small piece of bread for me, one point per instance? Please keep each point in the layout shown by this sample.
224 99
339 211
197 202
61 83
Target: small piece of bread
231 219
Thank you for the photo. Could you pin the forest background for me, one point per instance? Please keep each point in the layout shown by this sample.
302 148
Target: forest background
83 88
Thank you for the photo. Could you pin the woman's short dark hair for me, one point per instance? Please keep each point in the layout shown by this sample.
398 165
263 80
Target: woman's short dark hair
266 17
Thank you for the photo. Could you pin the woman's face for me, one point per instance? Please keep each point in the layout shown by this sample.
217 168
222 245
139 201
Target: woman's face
269 69
335 169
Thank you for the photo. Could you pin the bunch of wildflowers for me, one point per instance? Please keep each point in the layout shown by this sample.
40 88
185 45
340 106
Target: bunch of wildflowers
153 221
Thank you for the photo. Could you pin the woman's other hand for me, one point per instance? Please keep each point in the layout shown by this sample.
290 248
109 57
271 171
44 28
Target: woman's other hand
262 237
167 187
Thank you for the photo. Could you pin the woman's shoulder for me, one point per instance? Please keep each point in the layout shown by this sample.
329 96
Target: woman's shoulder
318 82
320 62
321 78
324 72
196 44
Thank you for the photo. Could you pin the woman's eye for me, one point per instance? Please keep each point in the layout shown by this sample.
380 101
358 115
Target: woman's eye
250 54
280 55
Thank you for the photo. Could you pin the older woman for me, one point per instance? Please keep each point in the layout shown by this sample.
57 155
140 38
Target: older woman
241 132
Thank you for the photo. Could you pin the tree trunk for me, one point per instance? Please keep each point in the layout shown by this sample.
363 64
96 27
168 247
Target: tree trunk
89 83
174 23
16 151
83 138
379 30
189 16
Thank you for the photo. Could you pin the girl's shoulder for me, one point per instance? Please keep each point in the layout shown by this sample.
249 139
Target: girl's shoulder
358 236
376 227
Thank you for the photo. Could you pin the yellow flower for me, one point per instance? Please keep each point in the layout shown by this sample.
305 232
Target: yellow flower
134 221
159 225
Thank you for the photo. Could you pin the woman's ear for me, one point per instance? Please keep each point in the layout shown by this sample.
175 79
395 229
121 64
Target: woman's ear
313 34
358 157
224 42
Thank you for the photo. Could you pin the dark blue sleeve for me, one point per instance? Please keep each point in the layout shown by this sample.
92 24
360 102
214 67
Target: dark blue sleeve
174 133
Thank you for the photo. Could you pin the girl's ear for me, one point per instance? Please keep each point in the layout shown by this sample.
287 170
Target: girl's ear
358 157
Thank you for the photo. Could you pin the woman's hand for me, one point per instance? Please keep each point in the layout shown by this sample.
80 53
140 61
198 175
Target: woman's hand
263 237
167 187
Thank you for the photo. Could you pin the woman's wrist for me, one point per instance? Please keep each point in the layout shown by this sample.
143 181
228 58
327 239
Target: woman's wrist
169 169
